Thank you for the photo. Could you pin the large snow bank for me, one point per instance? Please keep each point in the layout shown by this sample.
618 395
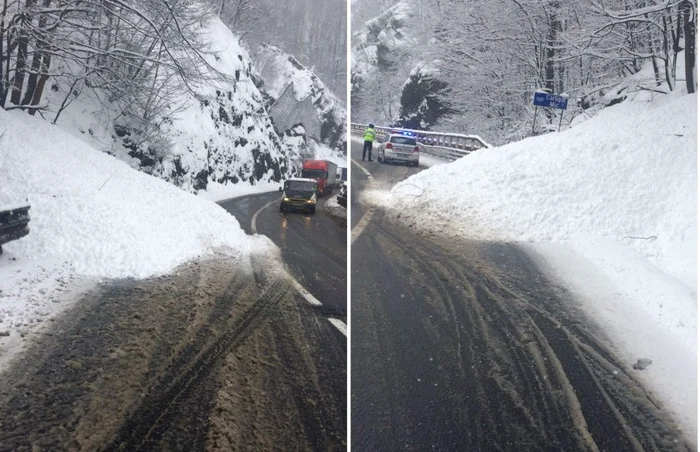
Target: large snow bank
628 174
611 206
99 215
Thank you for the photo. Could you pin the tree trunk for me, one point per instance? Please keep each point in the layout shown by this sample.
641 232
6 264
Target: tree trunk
667 56
40 48
22 45
552 28
6 77
689 34
45 64
2 52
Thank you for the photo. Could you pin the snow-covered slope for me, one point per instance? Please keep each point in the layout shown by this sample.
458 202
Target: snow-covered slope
395 78
92 216
279 69
223 135
373 44
611 204
97 214
592 179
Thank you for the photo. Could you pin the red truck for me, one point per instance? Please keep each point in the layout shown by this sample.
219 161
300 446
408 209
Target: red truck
324 172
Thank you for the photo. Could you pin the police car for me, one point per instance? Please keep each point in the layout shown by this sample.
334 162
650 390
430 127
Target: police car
399 147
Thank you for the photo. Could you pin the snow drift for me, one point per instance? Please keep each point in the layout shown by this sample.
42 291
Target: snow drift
594 179
98 215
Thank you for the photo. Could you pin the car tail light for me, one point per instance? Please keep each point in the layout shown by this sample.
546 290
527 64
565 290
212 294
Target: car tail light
416 149
389 146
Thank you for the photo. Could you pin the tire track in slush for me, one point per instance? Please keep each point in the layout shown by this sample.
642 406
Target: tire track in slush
548 382
145 428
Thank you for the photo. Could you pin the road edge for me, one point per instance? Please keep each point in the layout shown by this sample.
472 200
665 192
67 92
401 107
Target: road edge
313 301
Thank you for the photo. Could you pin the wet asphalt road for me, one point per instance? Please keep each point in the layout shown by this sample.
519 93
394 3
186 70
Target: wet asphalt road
212 357
466 346
314 247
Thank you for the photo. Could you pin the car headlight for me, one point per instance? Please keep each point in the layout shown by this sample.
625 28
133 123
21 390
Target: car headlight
311 201
285 199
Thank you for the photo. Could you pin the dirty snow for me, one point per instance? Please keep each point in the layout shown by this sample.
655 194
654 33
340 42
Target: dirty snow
611 204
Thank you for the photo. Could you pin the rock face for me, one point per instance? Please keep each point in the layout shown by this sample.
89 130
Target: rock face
280 71
420 105
287 112
381 51
222 133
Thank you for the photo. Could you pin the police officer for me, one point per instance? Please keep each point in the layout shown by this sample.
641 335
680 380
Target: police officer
370 135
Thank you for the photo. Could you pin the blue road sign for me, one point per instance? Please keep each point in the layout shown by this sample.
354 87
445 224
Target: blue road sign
542 99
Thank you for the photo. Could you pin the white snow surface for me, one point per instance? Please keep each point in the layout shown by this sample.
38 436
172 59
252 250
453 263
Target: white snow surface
611 205
99 215
628 174
220 192
91 217
323 152
217 133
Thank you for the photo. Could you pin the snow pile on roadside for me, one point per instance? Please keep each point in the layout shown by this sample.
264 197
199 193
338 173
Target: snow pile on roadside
334 209
219 192
99 215
628 174
91 216
610 205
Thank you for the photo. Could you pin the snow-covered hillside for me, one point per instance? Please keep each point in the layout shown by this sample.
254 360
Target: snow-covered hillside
377 39
395 79
279 70
611 204
221 136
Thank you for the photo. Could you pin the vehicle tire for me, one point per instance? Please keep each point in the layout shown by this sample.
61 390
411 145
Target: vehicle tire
282 208
312 210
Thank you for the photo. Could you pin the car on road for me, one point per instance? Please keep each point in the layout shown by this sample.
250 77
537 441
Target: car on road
399 147
343 196
299 193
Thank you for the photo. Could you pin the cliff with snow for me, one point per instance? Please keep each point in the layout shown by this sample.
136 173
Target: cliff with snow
218 134
282 72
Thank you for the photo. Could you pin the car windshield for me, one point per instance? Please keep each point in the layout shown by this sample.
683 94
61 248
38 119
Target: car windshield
300 185
313 173
404 140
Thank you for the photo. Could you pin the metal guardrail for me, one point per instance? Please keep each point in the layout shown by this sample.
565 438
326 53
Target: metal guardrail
14 223
451 146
